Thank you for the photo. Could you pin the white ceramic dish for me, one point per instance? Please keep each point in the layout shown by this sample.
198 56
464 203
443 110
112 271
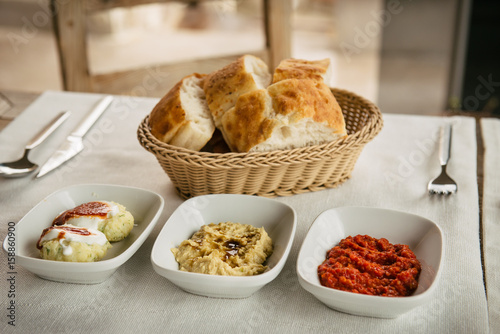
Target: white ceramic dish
423 237
278 219
144 205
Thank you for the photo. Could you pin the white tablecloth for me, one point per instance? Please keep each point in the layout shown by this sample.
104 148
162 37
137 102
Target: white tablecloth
392 172
491 218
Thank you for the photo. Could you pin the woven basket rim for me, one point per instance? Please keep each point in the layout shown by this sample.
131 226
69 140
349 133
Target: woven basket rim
311 153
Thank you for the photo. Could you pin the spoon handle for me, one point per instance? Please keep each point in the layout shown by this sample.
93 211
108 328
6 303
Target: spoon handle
47 131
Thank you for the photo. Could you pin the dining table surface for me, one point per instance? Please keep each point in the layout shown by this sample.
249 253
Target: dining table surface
392 172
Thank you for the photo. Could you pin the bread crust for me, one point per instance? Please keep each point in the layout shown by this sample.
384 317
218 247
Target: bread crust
317 70
223 87
307 98
168 115
171 123
249 122
259 114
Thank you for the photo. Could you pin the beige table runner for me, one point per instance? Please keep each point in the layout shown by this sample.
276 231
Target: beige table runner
491 218
392 172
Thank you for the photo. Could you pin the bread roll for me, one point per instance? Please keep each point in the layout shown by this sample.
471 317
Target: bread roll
223 87
318 70
291 113
182 117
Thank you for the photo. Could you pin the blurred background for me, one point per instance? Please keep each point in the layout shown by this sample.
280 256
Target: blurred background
407 56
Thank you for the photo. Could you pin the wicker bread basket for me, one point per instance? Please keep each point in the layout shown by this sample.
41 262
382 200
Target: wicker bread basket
275 173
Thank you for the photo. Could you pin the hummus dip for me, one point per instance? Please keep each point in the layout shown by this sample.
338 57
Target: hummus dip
230 249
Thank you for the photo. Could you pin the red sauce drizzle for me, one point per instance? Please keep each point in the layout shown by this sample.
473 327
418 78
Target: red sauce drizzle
91 209
71 229
370 266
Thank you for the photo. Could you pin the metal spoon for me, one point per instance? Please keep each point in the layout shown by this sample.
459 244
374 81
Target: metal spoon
23 166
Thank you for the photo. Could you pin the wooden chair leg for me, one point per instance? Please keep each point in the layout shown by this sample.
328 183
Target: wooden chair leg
69 19
277 16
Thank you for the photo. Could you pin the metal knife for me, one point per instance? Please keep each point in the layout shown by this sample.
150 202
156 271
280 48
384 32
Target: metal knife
74 142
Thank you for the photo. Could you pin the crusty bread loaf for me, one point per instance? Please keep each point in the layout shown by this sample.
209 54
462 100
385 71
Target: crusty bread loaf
182 117
224 86
318 70
298 109
288 114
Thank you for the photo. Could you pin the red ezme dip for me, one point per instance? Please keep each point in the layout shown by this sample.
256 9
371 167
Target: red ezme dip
370 266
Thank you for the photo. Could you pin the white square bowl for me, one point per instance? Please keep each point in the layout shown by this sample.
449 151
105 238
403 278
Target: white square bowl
146 207
423 237
278 219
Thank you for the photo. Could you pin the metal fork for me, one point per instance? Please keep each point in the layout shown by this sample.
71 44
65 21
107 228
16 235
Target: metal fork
443 184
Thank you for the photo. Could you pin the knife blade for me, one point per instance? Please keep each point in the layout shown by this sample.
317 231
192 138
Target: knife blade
74 142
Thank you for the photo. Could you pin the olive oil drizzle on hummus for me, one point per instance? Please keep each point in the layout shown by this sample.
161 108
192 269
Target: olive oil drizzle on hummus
226 248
